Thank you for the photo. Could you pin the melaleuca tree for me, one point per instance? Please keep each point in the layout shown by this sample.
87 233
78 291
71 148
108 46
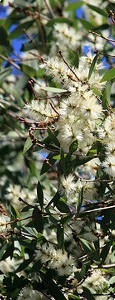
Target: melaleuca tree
57 150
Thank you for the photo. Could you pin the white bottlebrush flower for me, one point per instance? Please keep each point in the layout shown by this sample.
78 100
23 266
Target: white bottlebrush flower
68 183
110 148
56 259
62 263
15 191
28 293
60 71
71 188
4 226
90 107
96 283
8 265
109 165
107 130
45 253
40 111
89 191
66 37
89 169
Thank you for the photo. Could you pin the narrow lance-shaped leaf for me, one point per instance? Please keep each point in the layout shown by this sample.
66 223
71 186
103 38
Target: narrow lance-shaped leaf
110 74
37 219
73 297
106 95
98 10
40 194
60 236
80 200
27 145
53 137
54 90
93 65
88 294
87 245
62 206
73 147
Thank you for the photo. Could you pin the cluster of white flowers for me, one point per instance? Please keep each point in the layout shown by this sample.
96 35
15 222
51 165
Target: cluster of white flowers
4 226
56 259
27 293
15 191
82 104
40 111
107 134
97 284
66 38
72 189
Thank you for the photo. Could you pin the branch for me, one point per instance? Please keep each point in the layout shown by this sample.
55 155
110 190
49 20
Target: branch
49 8
98 209
101 36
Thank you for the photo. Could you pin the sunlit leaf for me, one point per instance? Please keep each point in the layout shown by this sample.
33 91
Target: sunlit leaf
110 74
27 145
53 90
98 10
93 65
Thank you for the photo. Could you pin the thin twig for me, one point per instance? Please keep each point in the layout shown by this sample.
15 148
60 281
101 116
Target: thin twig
49 8
10 61
101 36
103 266
60 53
98 209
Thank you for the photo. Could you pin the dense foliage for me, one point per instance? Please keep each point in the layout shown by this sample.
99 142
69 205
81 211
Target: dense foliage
57 150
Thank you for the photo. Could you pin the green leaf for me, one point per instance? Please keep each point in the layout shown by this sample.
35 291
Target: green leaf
47 164
98 10
54 90
80 200
66 219
59 20
28 144
104 252
23 265
87 245
93 65
81 160
73 147
60 236
75 5
62 206
54 200
106 95
84 269
88 294
62 166
73 297
110 74
19 30
28 70
5 73
9 251
87 25
2 249
37 219
53 288
53 137
3 37
40 194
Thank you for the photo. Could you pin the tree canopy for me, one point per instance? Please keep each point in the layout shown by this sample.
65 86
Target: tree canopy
57 150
